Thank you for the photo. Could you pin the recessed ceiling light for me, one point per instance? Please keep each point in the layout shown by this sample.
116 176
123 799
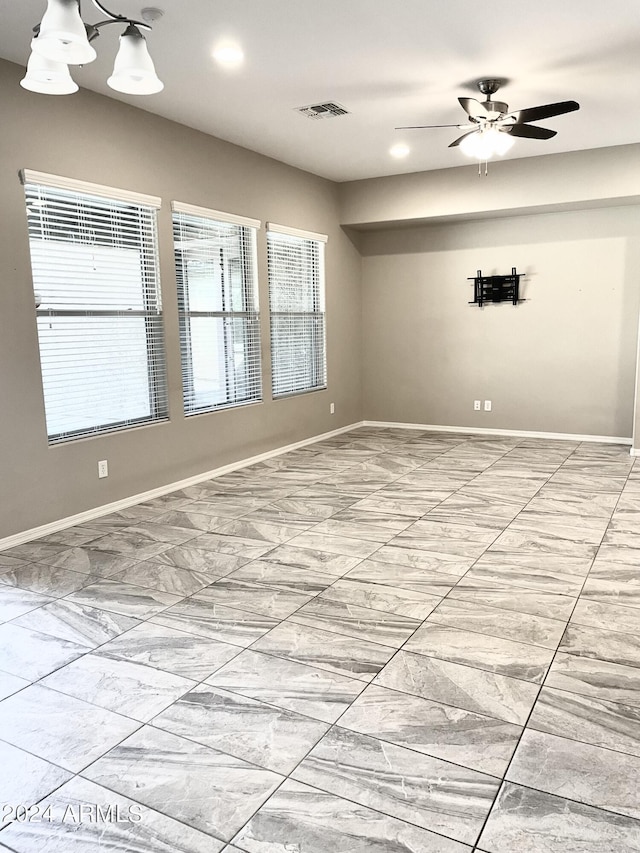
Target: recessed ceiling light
228 54
399 150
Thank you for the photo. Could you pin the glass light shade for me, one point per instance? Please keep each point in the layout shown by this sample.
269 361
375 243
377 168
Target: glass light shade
62 36
133 71
47 77
483 144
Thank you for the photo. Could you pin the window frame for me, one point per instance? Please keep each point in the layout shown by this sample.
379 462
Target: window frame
106 203
314 243
248 264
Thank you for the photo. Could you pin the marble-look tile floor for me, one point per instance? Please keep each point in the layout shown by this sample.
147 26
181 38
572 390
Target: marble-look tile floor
392 641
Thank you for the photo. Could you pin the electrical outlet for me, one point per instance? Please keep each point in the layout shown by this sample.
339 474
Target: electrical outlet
332 408
103 468
476 405
487 405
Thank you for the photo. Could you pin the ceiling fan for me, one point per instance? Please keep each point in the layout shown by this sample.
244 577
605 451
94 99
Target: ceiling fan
494 128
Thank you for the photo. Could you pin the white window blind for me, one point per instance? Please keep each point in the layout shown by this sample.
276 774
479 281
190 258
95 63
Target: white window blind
218 308
296 298
96 284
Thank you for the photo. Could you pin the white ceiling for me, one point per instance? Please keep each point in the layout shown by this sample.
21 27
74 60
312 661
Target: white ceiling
389 63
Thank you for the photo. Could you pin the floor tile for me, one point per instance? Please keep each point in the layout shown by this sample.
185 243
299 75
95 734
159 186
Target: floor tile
197 521
552 499
77 623
423 577
333 652
409 552
256 598
502 595
422 580
388 599
603 645
613 583
200 560
530 821
289 556
279 576
192 783
45 580
38 720
129 688
371 531
235 546
591 482
425 791
316 822
287 684
14 602
36 551
166 578
525 542
30 654
596 614
7 561
593 721
343 545
124 598
204 619
273 738
274 534
601 679
138 828
577 771
10 684
25 779
170 650
90 561
362 623
504 657
433 728
513 572
73 536
496 622
464 687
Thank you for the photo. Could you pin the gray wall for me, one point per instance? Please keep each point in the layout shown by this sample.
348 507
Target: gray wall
563 361
93 138
576 180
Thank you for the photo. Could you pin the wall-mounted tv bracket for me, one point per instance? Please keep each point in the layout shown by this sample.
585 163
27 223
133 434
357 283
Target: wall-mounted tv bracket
496 288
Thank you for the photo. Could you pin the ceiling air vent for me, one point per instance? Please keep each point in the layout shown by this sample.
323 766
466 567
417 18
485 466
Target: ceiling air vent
328 110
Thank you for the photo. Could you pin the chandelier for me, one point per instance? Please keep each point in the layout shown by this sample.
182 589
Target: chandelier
62 39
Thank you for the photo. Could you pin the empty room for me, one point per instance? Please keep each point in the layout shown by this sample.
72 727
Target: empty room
319 420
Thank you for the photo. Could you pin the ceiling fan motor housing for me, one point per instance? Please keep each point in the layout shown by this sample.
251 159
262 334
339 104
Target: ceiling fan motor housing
495 106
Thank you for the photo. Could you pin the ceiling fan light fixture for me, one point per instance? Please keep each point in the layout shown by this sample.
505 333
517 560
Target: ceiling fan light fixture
62 36
486 143
134 72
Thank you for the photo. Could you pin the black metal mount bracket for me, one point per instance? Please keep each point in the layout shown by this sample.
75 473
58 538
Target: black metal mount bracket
496 288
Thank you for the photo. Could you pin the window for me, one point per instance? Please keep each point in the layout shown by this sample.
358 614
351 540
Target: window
96 284
296 298
218 306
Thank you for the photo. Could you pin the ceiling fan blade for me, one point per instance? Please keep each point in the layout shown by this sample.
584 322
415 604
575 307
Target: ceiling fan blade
545 111
457 141
427 126
474 108
528 131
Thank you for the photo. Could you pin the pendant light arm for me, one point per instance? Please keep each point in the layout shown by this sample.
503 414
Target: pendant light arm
116 19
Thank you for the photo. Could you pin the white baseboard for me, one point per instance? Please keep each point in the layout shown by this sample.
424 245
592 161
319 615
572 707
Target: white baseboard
518 433
105 509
